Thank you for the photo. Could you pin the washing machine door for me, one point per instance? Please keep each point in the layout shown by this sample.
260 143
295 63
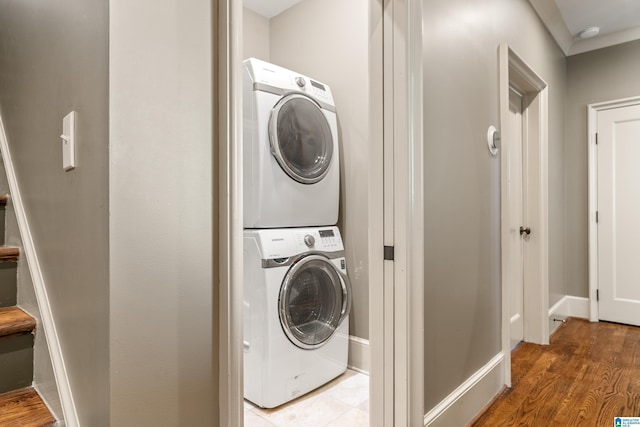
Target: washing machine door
315 297
301 139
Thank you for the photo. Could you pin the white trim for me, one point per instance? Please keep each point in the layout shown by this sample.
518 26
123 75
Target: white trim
606 40
513 71
403 206
381 369
514 318
570 45
470 397
359 355
592 119
577 307
568 306
229 138
46 315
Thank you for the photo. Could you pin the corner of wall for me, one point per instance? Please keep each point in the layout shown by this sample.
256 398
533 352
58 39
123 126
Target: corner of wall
468 400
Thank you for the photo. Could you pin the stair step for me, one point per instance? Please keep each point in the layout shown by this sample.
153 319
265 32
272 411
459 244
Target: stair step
9 254
15 321
24 407
16 349
8 284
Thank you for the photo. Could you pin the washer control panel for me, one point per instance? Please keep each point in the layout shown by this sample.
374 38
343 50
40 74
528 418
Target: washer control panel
318 90
287 80
328 237
288 242
319 239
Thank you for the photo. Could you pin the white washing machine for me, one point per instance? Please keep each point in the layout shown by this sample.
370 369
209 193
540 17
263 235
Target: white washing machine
297 299
291 160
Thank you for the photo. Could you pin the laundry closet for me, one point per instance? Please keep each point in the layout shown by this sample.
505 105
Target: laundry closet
321 48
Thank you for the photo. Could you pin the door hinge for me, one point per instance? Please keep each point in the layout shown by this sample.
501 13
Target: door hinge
597 217
389 253
596 138
597 294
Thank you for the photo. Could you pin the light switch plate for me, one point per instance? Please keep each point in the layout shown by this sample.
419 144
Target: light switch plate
69 141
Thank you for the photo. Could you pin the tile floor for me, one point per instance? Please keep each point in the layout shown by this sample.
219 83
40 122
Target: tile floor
343 402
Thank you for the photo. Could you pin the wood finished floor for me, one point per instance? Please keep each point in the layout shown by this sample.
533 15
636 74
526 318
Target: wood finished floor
24 408
589 374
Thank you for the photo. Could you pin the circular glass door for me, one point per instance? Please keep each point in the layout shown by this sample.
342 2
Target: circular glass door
300 138
314 299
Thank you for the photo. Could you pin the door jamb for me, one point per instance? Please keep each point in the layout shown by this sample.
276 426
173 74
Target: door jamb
228 118
592 126
513 71
403 206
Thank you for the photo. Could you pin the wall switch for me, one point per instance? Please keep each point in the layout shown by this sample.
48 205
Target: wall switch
69 141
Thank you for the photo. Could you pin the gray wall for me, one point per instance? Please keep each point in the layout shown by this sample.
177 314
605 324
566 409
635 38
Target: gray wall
601 75
161 170
462 182
255 35
339 58
54 59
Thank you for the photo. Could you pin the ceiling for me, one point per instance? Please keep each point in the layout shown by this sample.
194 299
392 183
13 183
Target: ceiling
269 8
619 22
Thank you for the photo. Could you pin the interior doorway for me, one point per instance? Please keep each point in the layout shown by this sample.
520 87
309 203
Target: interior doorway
614 183
294 36
524 147
517 233
394 210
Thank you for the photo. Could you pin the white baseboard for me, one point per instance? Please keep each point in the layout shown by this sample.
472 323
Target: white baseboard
359 355
46 316
461 406
568 306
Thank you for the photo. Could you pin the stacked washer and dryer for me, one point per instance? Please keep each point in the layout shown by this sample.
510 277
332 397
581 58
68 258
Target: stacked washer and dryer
297 295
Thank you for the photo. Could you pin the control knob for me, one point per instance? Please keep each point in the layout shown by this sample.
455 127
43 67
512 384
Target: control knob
300 82
309 240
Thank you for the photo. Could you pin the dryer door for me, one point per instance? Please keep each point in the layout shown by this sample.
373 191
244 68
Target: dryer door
315 298
301 139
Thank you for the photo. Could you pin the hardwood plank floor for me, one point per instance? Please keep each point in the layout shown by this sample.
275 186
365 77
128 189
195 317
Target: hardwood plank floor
24 408
587 376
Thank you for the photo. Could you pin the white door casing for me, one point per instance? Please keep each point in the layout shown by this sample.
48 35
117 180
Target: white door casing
593 111
403 217
514 72
618 207
513 150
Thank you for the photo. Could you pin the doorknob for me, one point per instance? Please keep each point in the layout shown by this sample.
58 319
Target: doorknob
526 231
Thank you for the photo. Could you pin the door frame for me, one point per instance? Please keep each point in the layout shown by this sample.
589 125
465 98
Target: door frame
592 129
516 73
512 142
395 211
227 100
403 165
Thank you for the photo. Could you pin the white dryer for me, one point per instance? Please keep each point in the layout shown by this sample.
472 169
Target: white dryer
297 299
291 160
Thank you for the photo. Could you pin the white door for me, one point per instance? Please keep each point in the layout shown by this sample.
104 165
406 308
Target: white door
618 163
516 217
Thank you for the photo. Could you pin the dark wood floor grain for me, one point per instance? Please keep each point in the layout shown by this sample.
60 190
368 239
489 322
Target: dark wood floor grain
587 376
24 408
